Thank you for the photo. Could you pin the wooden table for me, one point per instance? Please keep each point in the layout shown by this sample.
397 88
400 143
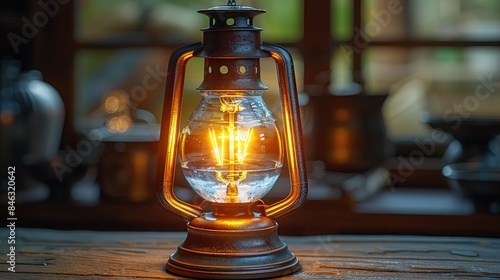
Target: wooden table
394 212
54 254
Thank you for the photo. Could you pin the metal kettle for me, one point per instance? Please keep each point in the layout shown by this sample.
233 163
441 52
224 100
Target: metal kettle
31 117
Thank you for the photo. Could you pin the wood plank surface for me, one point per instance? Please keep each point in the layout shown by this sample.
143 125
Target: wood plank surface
53 254
317 217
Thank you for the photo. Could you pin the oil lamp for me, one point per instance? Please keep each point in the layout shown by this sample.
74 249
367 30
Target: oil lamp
231 151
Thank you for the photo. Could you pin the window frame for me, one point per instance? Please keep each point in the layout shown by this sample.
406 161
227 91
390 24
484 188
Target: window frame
316 48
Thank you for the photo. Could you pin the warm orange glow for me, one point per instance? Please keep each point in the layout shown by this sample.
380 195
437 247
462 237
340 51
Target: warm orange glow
112 104
230 137
340 142
6 118
116 102
140 159
119 124
342 115
340 155
230 146
340 137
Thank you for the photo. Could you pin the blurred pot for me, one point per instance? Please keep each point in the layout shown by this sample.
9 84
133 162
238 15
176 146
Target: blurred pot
477 181
474 140
349 133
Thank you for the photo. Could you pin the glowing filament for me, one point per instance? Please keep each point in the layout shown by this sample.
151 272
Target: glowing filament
230 145
236 141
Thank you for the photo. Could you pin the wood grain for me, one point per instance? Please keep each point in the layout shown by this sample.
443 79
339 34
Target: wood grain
49 254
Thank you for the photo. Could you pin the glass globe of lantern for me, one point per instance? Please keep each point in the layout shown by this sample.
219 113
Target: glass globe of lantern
230 148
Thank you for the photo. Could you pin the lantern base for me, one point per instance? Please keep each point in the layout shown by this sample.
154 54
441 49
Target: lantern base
232 247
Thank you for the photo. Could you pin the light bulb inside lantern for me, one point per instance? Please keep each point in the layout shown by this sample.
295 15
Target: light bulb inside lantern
230 149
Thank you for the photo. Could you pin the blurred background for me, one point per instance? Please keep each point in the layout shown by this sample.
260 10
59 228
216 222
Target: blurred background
400 109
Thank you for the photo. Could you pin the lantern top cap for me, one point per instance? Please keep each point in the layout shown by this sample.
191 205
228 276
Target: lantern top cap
250 11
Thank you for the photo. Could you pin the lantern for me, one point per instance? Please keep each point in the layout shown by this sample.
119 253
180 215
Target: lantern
231 151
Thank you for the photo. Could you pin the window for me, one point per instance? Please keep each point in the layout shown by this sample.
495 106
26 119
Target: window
107 60
122 48
427 55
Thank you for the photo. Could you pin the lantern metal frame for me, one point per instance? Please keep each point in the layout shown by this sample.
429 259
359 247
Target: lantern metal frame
235 240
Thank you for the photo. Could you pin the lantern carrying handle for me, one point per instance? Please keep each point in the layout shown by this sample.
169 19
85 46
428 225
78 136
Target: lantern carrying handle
167 152
170 125
292 132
